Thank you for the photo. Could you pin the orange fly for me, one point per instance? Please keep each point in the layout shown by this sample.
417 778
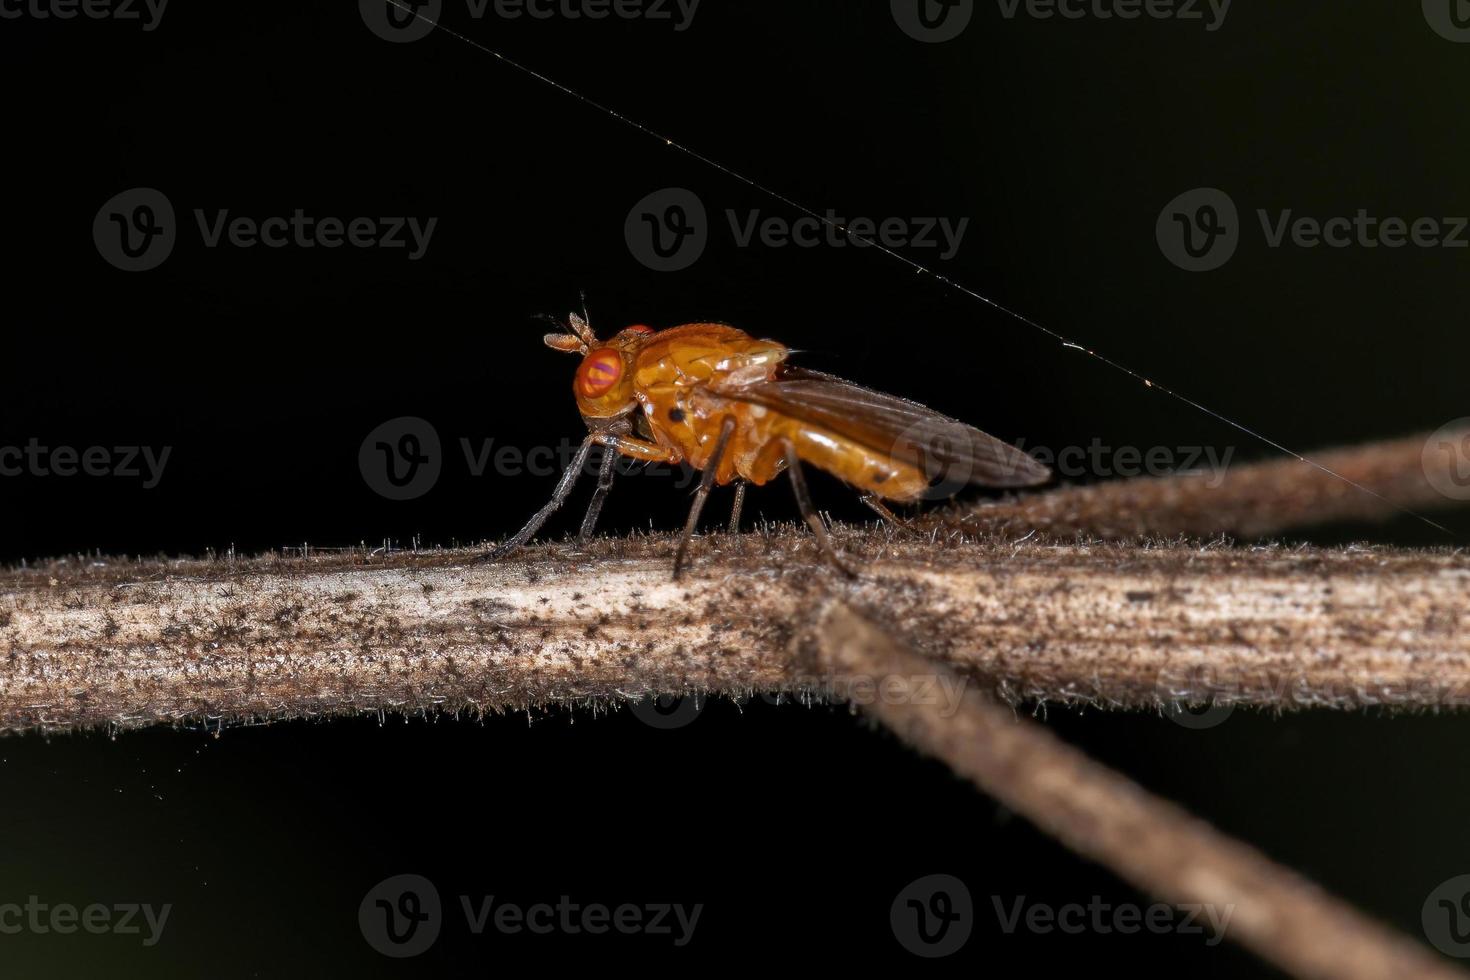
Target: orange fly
732 407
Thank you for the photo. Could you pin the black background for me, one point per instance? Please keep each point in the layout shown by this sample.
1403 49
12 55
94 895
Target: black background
263 370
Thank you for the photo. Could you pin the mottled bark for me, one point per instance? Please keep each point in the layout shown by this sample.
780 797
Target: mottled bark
133 643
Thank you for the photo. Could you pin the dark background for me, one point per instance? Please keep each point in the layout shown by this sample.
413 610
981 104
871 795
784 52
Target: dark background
264 369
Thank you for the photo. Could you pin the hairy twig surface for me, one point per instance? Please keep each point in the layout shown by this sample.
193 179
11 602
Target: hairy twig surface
1143 623
136 643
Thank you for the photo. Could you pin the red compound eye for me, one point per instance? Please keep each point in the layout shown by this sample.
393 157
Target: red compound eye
599 372
641 328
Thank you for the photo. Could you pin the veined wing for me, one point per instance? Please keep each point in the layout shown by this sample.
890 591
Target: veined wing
943 448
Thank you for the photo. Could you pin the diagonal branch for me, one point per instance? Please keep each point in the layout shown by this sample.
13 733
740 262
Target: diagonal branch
1101 814
1418 473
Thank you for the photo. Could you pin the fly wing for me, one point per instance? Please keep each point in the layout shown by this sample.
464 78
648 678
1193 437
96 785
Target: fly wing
946 450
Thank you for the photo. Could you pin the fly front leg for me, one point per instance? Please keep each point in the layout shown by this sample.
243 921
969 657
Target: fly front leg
558 497
604 484
711 468
649 452
615 444
804 503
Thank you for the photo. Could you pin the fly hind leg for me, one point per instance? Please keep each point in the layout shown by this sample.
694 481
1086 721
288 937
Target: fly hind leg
737 507
804 502
711 468
877 506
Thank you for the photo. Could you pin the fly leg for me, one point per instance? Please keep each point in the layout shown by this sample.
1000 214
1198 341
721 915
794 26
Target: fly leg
804 502
705 482
604 484
876 504
739 505
558 497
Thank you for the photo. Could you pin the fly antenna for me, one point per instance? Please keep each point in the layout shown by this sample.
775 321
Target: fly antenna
570 343
582 329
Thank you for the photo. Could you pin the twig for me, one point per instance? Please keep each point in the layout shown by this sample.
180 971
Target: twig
1100 814
135 643
1143 623
1244 501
